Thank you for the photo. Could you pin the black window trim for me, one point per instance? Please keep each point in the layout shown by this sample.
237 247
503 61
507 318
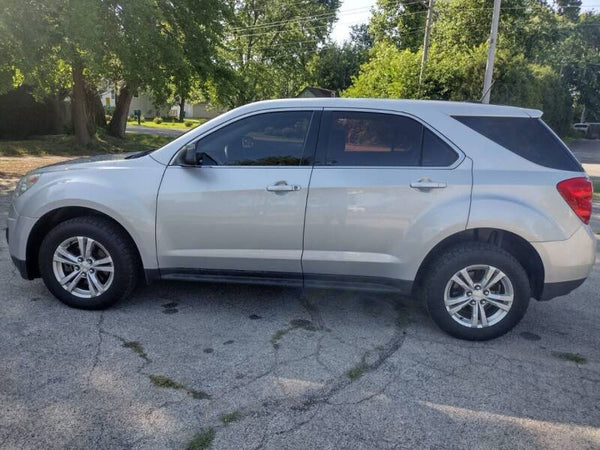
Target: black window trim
311 138
321 151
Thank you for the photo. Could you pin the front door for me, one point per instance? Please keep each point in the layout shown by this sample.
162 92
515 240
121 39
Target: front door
243 209
384 187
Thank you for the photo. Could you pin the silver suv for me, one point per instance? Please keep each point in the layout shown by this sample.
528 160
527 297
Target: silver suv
474 208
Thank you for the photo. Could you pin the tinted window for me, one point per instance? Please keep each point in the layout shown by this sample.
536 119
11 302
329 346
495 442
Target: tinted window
371 139
436 153
527 137
270 139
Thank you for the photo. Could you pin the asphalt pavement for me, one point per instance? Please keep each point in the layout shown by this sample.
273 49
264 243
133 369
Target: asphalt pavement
248 367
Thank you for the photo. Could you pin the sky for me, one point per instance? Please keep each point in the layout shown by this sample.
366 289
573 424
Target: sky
354 12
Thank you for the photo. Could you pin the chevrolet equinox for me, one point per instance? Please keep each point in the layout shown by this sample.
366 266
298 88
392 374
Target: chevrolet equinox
474 208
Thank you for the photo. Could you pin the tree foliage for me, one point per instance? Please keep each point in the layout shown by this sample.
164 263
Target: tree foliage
334 65
67 45
546 58
267 48
400 22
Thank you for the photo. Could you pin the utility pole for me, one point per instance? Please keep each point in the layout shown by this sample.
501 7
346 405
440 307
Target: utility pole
426 41
489 67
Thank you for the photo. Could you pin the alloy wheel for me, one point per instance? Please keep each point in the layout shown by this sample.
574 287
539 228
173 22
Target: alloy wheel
83 267
478 296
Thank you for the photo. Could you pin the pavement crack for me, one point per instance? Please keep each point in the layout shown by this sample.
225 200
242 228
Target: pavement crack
96 358
313 311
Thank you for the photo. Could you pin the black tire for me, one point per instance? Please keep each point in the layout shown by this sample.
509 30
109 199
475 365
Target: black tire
458 257
115 241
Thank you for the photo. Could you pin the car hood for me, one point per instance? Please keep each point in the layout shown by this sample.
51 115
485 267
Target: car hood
89 161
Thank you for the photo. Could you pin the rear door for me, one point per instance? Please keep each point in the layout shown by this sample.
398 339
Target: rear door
243 209
384 188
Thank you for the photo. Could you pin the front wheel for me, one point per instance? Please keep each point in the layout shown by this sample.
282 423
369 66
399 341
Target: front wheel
476 291
88 262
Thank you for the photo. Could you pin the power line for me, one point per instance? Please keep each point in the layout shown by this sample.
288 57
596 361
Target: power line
263 32
261 27
333 13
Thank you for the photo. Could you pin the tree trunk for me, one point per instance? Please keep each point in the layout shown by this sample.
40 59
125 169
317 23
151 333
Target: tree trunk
96 113
118 123
182 108
79 107
54 101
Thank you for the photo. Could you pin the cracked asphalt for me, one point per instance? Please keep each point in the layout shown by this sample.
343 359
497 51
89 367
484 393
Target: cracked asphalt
274 368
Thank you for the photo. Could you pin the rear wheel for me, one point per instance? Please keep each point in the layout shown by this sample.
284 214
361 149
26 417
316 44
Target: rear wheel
89 262
476 291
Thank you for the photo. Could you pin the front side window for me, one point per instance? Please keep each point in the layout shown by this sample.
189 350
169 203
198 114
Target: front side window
376 139
269 139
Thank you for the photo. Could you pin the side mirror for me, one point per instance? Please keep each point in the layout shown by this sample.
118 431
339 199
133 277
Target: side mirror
190 155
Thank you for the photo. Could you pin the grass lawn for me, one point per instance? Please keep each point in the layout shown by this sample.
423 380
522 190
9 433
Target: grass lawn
169 125
64 145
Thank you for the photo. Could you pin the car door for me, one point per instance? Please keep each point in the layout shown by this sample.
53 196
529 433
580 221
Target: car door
242 211
385 188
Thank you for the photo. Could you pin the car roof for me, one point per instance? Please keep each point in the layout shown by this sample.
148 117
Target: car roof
415 106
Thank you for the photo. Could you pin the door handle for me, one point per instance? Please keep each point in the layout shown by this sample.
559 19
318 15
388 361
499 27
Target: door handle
282 186
426 183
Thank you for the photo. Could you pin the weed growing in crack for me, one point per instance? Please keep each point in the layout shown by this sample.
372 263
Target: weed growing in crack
165 382
198 395
574 357
358 371
202 440
277 336
294 325
304 324
137 348
231 417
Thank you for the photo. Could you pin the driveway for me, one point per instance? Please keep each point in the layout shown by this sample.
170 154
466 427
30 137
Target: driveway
263 367
586 150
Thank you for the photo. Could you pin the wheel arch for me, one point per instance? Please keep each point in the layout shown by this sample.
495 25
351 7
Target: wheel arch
517 246
52 218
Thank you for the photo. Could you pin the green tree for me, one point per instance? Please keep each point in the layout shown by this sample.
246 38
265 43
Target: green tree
399 21
458 75
137 44
389 73
569 8
157 44
526 26
267 48
577 59
54 45
334 66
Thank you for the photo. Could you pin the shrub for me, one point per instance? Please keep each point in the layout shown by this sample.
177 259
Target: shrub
188 123
157 120
108 117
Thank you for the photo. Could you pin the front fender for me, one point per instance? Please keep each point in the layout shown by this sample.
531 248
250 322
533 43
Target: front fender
128 198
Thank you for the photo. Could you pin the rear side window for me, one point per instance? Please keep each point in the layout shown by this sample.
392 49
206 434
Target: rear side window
436 153
375 139
527 137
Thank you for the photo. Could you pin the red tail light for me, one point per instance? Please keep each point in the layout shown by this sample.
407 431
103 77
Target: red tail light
578 192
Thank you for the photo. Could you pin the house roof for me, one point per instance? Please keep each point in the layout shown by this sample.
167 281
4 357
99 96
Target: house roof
311 91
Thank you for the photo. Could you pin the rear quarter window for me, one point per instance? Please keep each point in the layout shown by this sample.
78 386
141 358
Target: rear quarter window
529 138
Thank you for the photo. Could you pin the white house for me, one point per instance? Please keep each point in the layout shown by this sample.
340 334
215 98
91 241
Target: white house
143 102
